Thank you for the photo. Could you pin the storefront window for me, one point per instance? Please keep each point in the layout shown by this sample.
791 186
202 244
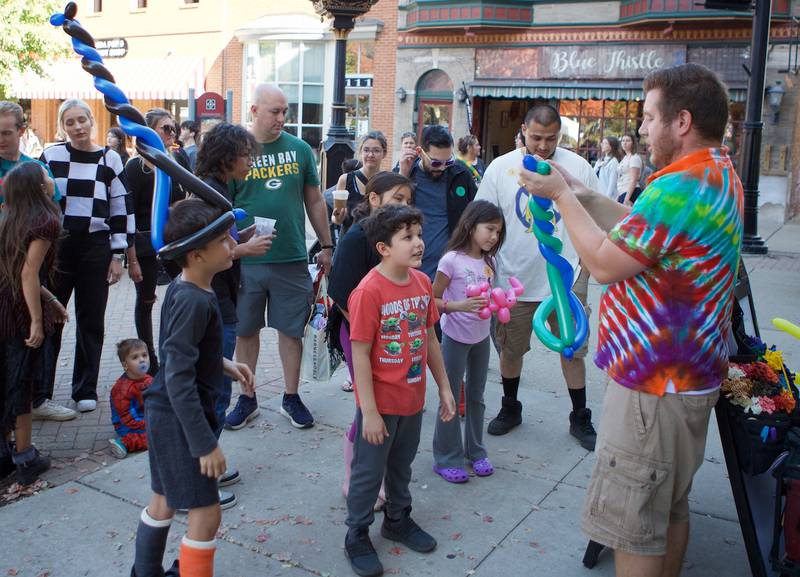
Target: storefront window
586 122
358 113
358 92
434 100
298 68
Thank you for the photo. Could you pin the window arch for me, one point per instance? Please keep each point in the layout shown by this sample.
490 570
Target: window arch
434 100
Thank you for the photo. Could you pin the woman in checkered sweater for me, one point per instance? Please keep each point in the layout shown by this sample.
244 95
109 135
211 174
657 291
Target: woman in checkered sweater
98 224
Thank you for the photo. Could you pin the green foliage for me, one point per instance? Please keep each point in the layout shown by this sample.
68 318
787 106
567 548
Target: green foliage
27 40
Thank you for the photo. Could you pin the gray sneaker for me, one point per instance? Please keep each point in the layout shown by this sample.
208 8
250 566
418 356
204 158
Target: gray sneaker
226 500
50 411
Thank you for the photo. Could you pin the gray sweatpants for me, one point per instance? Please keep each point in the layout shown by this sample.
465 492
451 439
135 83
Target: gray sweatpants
448 449
389 462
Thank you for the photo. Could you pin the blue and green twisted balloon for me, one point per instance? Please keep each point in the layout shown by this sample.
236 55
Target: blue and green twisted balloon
572 322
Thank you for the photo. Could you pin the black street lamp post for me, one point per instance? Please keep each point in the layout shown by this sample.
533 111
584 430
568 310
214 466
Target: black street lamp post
753 125
339 145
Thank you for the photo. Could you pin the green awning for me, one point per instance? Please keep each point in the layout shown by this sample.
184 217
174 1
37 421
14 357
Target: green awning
569 90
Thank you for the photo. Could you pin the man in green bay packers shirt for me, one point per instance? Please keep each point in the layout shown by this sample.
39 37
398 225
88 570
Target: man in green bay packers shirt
282 185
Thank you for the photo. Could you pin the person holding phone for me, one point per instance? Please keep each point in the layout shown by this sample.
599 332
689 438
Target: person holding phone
443 190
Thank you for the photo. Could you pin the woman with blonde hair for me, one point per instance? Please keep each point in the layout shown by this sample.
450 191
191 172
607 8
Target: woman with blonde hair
98 226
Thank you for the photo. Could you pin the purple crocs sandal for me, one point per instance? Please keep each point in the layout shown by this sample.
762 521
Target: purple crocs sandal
482 467
451 474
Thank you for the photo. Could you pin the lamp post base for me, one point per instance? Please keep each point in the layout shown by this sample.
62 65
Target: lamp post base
754 245
335 150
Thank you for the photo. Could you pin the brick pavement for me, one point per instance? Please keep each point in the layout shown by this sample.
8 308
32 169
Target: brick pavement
80 446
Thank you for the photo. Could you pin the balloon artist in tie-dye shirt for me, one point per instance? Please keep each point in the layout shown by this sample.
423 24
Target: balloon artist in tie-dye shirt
670 265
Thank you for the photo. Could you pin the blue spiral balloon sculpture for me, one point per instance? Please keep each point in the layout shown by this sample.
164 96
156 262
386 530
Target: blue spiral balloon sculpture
148 143
572 322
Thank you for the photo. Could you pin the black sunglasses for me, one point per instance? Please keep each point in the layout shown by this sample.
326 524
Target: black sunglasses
168 129
436 163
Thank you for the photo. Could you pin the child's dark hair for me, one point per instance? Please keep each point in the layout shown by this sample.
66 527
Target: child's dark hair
387 220
126 346
221 146
187 217
380 183
26 208
477 212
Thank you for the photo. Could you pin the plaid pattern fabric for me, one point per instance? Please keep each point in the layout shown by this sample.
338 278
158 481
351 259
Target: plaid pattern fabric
94 195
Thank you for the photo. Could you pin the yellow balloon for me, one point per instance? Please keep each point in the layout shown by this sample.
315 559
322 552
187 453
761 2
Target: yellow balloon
788 327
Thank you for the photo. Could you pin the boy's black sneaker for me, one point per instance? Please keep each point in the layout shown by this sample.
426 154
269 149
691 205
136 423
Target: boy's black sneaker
510 416
28 471
407 532
293 409
580 427
359 550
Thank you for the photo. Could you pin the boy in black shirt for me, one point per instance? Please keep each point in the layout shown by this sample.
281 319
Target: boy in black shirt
185 459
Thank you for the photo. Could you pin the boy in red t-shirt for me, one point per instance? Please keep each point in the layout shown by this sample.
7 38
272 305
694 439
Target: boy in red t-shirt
392 314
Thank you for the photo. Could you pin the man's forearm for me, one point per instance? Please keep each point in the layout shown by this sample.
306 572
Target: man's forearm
606 212
318 217
585 234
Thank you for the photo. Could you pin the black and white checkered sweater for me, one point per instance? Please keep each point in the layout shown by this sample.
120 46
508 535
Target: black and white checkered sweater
94 196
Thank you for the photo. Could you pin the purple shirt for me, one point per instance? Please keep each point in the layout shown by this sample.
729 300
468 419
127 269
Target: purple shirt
463 270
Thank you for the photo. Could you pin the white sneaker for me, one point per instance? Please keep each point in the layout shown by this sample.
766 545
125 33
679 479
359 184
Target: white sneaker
50 411
87 405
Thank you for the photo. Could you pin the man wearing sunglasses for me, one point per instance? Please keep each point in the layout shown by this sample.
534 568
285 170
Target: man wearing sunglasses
444 187
520 257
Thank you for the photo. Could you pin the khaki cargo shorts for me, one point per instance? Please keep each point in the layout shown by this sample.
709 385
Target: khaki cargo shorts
514 337
648 451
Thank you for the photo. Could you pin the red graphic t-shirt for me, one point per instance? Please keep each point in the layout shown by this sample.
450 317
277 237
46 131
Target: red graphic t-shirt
394 319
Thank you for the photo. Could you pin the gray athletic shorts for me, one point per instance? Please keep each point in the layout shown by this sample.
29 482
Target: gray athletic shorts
283 290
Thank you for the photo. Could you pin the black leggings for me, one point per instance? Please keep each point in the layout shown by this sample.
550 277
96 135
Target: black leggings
143 311
82 269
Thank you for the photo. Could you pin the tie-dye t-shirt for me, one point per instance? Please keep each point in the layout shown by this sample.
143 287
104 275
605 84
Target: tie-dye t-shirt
669 323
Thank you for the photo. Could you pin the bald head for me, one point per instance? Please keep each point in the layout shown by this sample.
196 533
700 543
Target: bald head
269 110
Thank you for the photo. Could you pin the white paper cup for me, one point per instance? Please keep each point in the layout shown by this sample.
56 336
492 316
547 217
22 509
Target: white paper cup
340 199
264 226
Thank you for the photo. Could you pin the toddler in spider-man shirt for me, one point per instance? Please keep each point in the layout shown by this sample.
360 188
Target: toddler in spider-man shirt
127 406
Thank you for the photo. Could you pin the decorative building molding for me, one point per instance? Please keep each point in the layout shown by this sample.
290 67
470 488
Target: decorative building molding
537 37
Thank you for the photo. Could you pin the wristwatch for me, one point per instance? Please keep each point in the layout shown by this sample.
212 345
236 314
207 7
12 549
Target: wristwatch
326 246
117 257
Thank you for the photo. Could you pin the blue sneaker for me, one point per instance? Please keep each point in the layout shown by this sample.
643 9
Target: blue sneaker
246 410
293 409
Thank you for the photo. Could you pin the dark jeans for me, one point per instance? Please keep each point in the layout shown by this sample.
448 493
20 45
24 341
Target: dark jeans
82 268
143 310
224 399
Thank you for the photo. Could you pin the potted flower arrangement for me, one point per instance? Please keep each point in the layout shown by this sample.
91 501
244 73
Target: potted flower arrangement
761 398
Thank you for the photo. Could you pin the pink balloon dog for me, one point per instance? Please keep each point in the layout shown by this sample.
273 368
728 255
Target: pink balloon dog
500 301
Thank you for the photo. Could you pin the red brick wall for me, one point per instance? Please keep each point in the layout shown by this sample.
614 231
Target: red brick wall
383 85
226 74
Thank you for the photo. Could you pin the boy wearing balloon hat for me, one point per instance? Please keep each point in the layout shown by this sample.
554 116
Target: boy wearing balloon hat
185 458
670 264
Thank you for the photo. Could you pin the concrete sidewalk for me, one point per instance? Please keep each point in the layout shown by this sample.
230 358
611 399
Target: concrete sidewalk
524 520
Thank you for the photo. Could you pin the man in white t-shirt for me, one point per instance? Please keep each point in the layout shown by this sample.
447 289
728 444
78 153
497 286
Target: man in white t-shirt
520 257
